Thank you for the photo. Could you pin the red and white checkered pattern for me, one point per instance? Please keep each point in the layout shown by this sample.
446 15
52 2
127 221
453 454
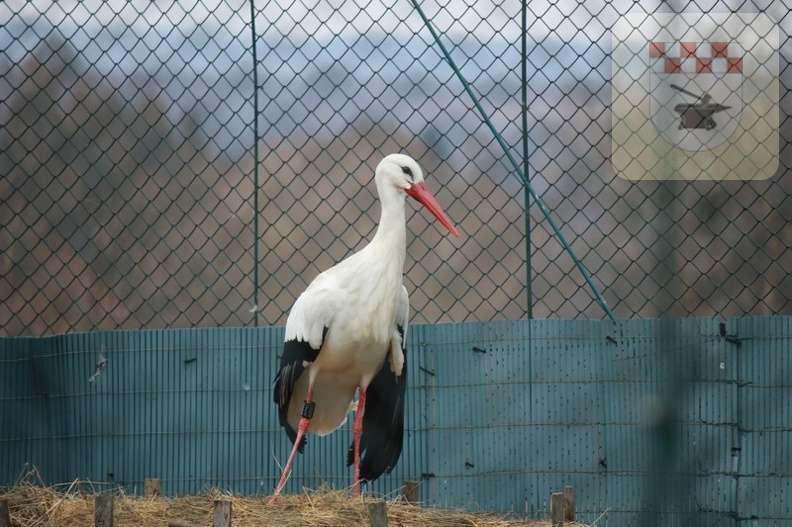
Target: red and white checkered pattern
696 57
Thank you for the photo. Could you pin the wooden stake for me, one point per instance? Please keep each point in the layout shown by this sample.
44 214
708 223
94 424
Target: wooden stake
152 487
557 509
222 513
411 492
569 503
103 510
5 514
182 524
378 514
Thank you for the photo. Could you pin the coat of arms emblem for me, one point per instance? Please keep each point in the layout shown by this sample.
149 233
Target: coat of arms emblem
696 91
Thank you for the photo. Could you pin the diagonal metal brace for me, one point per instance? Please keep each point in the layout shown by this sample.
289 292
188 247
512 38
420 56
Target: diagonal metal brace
516 166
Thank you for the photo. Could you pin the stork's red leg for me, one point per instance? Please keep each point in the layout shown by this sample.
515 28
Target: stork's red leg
302 428
357 431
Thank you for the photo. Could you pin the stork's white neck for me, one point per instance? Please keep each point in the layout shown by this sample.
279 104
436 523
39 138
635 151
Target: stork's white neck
371 279
390 240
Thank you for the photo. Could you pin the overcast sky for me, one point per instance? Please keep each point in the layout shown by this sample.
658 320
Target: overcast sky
566 19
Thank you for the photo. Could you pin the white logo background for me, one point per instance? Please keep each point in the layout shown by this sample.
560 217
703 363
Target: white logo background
647 139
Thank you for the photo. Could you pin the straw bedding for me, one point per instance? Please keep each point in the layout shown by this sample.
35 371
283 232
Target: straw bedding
36 505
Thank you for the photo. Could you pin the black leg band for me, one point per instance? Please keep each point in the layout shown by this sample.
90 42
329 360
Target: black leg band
308 409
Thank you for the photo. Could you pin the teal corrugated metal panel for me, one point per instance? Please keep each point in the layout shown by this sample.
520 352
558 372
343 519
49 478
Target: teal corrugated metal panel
765 441
666 446
498 415
25 419
501 405
568 410
247 425
177 405
452 394
65 358
273 446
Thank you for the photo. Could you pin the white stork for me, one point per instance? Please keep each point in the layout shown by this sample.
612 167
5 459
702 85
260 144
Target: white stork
347 332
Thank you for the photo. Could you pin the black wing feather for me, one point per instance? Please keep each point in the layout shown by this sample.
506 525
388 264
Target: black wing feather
295 354
383 421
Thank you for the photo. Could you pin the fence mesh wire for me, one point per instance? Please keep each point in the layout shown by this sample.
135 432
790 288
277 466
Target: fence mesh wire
174 165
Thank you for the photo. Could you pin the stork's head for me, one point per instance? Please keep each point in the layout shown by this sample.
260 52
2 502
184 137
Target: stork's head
403 172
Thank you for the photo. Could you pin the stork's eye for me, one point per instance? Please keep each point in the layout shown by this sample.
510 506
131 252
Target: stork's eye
407 171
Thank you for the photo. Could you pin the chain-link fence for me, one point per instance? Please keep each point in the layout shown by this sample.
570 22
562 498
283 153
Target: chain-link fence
171 165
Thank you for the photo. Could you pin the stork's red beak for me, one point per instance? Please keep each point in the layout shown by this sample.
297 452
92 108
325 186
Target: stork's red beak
422 194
